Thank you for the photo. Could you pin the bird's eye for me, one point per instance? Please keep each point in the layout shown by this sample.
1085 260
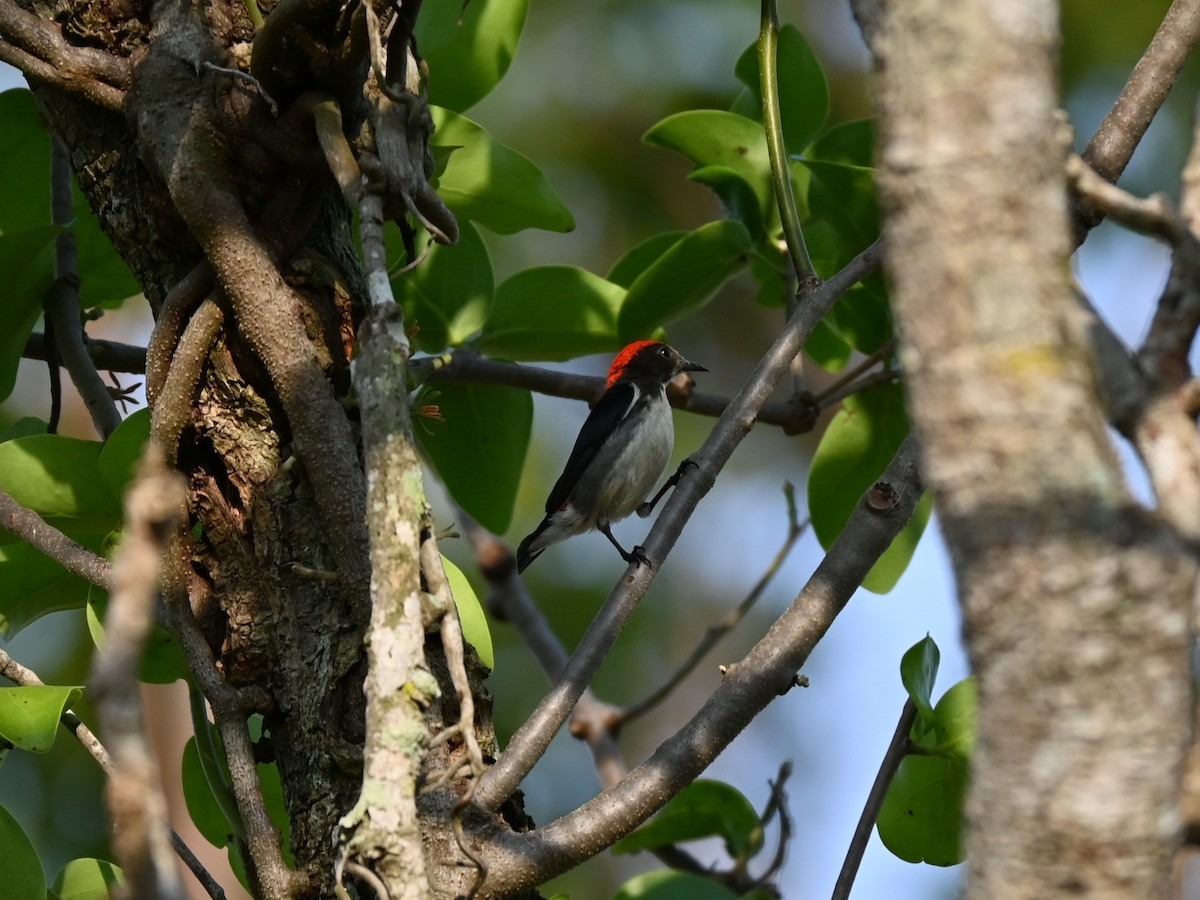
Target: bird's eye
663 351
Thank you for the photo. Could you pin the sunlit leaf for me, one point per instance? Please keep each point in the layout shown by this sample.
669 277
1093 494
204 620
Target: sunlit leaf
667 884
470 614
468 47
493 184
29 714
448 295
87 879
684 278
639 257
918 671
552 313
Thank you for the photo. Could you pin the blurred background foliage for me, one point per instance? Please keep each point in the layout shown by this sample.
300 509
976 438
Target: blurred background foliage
587 82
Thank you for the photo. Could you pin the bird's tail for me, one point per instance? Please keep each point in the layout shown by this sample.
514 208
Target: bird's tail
526 553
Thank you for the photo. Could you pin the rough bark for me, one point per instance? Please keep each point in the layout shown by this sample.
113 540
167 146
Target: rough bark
1076 601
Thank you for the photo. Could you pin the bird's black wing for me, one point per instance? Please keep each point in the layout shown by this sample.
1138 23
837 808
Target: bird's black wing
613 406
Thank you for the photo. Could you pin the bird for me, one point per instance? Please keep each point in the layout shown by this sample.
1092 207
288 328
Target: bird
622 450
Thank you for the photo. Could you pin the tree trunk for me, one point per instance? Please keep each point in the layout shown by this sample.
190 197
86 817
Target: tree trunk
1076 601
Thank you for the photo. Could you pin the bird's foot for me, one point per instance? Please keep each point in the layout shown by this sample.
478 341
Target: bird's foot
638 556
648 507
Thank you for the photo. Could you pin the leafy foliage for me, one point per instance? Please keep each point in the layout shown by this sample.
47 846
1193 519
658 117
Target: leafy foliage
921 819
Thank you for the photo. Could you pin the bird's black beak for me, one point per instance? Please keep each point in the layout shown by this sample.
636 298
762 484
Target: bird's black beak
686 365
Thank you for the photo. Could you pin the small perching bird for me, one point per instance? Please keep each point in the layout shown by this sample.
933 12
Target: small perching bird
620 453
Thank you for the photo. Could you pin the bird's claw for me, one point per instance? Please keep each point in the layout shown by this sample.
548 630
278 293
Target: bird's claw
638 556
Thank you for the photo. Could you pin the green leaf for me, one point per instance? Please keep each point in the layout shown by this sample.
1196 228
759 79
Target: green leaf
468 47
855 449
23 878
26 425
29 714
493 184
552 313
844 196
955 719
206 811
827 348
449 294
702 809
57 476
122 450
480 448
87 879
26 271
470 614
736 195
33 585
666 884
684 278
921 816
863 315
162 657
638 259
918 671
104 278
850 143
803 93
24 164
715 138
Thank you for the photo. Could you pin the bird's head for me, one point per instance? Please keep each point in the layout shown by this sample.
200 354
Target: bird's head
651 361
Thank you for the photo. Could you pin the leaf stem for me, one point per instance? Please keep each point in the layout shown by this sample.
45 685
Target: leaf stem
768 44
896 751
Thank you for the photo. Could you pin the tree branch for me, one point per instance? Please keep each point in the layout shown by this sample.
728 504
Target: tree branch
520 861
38 48
896 751
107 356
62 301
34 530
531 740
466 366
714 633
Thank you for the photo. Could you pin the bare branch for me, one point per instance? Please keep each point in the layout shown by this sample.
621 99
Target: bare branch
531 740
468 367
522 860
1112 146
33 529
896 751
137 808
714 633
171 319
62 301
38 48
107 356
1153 215
171 411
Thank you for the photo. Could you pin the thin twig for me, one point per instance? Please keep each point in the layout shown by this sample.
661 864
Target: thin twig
1151 215
171 319
821 397
171 411
896 751
33 529
874 379
716 631
62 301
